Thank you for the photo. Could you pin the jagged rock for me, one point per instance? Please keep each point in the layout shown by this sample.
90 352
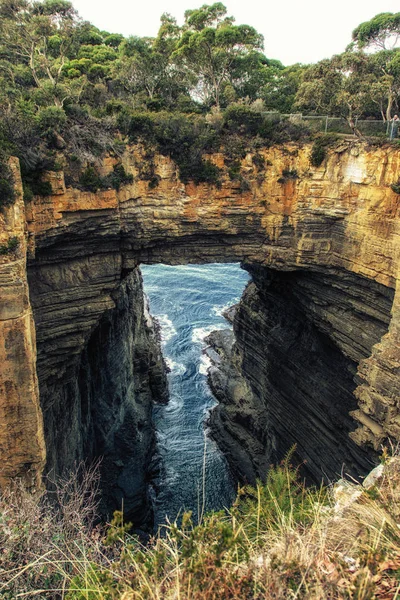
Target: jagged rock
374 477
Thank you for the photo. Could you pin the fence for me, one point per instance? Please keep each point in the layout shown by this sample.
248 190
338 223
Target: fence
337 125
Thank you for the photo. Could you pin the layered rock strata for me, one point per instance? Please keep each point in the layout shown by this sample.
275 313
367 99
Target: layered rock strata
332 229
22 447
299 339
98 407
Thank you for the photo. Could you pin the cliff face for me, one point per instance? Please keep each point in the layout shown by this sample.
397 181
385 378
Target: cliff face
322 245
299 339
100 405
22 447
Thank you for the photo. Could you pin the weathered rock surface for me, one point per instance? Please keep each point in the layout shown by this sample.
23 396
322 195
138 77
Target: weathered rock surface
100 407
22 447
299 339
239 423
328 241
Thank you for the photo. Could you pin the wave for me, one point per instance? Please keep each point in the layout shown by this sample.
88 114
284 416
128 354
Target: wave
218 309
167 328
199 333
176 368
205 363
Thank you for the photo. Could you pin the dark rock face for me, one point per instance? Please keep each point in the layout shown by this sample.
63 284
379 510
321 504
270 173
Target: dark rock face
299 339
109 390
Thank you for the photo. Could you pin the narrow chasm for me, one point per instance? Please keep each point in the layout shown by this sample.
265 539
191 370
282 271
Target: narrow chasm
97 402
188 302
288 380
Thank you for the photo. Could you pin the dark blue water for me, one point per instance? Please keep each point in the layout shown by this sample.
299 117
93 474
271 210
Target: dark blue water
188 302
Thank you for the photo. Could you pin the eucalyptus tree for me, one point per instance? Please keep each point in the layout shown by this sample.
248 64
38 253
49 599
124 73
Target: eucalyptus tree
379 39
213 51
37 36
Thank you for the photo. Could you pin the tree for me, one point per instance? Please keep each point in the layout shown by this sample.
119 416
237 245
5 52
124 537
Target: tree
38 35
382 32
214 51
281 85
338 86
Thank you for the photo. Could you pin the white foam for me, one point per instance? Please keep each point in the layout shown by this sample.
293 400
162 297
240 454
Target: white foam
199 333
167 328
176 368
218 309
205 364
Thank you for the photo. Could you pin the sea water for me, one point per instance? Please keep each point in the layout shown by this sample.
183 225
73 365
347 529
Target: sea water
188 302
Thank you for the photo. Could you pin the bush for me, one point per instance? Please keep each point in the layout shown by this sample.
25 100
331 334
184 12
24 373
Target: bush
10 247
287 175
119 177
7 191
51 117
239 118
318 152
90 180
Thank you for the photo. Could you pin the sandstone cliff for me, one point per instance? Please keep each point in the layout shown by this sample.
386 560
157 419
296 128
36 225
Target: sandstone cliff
322 244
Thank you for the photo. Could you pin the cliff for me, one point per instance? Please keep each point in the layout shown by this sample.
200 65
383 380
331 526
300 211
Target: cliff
317 332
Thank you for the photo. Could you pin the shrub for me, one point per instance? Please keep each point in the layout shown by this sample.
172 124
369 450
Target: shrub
10 247
239 118
51 117
90 180
396 186
119 177
7 191
318 152
287 175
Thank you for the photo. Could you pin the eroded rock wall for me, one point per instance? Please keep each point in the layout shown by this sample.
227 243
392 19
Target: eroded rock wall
98 407
22 445
340 219
299 339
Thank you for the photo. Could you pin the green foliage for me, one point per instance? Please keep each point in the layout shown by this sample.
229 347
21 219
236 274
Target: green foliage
10 247
32 182
7 191
51 117
239 118
184 138
119 177
91 181
396 187
379 31
318 152
287 175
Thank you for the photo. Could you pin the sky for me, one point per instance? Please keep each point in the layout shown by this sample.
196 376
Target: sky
294 31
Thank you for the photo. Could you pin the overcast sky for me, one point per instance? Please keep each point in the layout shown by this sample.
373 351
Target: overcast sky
294 31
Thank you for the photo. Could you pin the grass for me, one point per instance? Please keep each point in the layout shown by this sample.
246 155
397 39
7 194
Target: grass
279 540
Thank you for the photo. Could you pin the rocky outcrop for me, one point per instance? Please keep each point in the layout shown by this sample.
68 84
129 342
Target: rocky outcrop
326 241
22 446
299 339
109 394
239 423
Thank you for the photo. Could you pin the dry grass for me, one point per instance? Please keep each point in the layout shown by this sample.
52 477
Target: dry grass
279 541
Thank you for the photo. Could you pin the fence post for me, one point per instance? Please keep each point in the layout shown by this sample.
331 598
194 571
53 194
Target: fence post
326 123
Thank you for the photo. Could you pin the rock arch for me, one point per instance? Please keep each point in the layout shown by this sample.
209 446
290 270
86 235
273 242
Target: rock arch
337 223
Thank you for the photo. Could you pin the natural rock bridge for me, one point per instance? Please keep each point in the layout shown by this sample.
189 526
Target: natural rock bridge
323 247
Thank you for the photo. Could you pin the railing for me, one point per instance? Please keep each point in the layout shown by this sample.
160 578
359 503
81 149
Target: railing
327 124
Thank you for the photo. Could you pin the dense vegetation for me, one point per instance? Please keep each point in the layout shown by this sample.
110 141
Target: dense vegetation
66 86
279 540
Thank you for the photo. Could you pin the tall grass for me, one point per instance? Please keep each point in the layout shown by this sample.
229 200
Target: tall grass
279 540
